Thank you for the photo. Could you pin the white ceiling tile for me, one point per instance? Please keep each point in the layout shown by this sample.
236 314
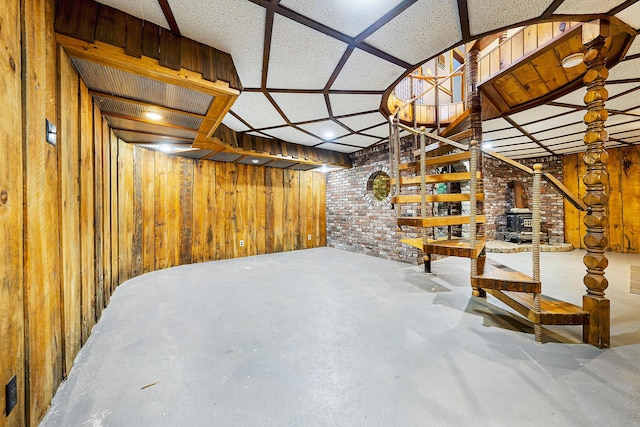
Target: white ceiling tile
358 123
621 118
563 146
358 140
615 89
235 124
342 104
629 134
494 124
625 70
635 46
562 139
337 147
553 122
348 17
420 32
575 7
501 134
625 127
300 57
555 133
293 135
149 10
232 26
487 15
381 131
364 71
624 103
327 129
631 15
300 107
505 142
255 109
574 98
537 113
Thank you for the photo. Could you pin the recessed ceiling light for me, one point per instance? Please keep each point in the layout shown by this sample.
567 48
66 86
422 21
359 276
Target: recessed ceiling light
328 134
486 145
573 60
166 148
152 115
255 161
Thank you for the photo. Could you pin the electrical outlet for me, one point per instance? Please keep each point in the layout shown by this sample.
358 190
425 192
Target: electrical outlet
241 243
11 394
309 237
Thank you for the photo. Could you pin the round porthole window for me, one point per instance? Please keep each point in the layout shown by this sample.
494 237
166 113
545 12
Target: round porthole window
379 184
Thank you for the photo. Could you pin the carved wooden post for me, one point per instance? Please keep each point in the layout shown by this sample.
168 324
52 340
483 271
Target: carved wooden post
596 180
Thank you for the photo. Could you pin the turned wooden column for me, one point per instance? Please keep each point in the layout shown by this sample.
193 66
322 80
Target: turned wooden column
596 181
473 102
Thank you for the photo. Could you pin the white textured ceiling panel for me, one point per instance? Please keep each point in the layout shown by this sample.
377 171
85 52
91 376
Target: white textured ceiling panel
358 140
233 26
624 103
148 10
327 130
621 118
575 7
381 131
364 121
578 127
342 104
562 139
293 135
555 122
538 113
495 124
337 147
625 70
615 89
576 143
350 17
624 127
300 107
503 142
487 15
635 47
235 124
574 98
506 133
364 71
420 32
256 110
301 58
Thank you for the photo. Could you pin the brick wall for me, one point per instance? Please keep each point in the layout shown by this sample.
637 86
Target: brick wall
358 222
499 196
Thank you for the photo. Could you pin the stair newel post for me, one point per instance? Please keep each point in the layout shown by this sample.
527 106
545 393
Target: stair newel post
535 240
473 206
595 38
396 150
423 181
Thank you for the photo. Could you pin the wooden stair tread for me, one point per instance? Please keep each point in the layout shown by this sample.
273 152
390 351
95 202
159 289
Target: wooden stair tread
437 161
449 247
438 221
552 311
436 198
500 277
437 178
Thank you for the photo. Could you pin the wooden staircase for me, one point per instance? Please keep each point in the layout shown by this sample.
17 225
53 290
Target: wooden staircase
413 184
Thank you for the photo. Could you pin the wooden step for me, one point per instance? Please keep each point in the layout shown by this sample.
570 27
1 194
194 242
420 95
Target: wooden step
552 311
448 247
438 221
437 161
500 277
461 123
437 178
436 198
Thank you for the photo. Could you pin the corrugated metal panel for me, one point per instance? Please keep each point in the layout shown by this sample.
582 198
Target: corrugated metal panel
121 83
145 138
109 105
124 124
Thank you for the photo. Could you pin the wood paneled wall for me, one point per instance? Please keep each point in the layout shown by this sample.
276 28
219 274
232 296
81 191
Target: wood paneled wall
624 200
79 218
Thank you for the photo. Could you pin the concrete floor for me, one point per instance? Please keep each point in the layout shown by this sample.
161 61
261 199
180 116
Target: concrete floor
325 337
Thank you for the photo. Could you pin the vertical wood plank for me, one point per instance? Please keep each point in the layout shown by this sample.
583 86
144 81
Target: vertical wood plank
69 171
169 49
240 232
99 211
160 215
199 211
631 195
261 211
306 209
114 230
571 214
251 211
320 211
148 211
231 241
291 199
173 210
277 207
615 209
125 210
106 218
209 181
185 209
150 40
87 214
220 211
12 359
136 243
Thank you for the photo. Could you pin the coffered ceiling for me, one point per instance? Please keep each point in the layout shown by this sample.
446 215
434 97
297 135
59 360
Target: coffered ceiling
314 72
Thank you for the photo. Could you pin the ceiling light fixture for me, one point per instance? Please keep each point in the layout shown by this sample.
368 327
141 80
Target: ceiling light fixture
255 161
152 115
166 148
328 135
573 60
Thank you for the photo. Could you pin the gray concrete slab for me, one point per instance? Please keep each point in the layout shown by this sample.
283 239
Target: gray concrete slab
326 337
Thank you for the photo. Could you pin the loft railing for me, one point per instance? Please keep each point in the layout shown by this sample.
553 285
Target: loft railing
520 45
